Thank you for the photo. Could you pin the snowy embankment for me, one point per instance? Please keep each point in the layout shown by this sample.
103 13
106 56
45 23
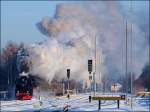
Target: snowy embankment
78 102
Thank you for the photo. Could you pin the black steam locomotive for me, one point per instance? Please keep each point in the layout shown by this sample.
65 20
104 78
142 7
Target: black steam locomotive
24 88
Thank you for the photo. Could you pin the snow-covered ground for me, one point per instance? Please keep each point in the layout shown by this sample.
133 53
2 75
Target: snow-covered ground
78 102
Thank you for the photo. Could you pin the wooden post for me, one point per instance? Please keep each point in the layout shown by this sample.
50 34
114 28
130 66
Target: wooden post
99 105
118 103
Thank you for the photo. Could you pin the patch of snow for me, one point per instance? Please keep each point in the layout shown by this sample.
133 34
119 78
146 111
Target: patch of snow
79 102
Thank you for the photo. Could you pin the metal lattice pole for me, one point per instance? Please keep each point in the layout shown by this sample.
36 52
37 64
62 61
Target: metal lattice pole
126 61
131 79
94 74
131 69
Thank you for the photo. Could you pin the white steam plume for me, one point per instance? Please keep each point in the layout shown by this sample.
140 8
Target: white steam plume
71 42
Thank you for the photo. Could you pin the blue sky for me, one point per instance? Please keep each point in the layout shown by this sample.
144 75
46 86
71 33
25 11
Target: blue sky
18 19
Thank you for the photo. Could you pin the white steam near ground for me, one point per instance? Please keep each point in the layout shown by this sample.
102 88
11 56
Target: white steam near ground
71 38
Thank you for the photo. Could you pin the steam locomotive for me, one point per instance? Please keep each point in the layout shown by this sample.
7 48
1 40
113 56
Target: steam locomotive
24 88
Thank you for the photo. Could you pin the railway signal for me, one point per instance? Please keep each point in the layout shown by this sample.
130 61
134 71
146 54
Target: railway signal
68 73
90 66
68 76
90 76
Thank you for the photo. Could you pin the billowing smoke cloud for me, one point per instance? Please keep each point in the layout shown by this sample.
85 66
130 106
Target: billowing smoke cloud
70 44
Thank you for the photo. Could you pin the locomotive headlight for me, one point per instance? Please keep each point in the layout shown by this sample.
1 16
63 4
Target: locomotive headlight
28 92
17 93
